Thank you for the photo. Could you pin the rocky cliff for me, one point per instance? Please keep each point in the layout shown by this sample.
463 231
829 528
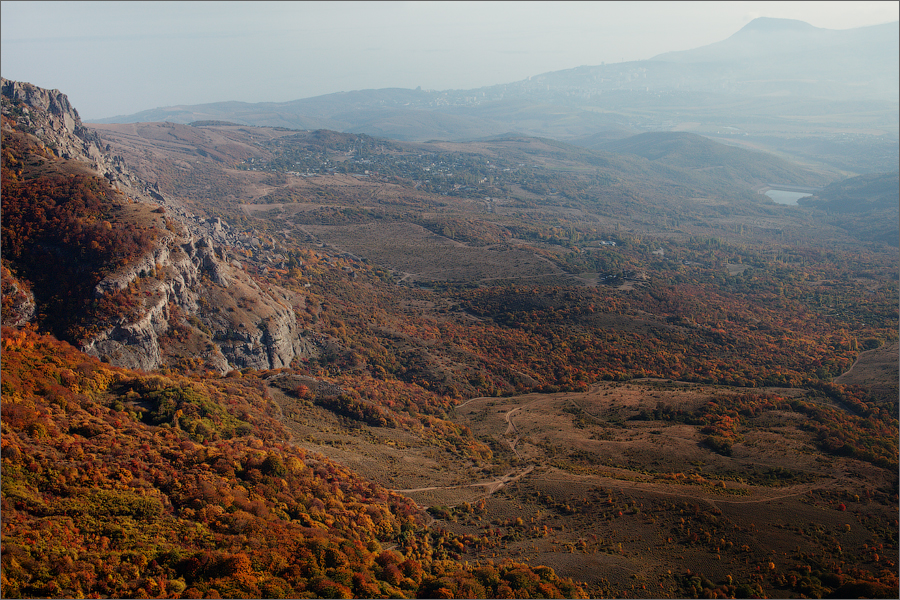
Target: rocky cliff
227 320
18 301
196 304
48 115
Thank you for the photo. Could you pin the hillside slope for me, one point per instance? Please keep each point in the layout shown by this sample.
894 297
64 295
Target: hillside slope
697 153
109 270
126 484
865 205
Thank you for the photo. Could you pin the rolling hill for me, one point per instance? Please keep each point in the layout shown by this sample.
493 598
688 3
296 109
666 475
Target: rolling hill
864 205
787 86
696 153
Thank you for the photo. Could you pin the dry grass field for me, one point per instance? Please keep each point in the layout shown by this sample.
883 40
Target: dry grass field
420 255
878 365
578 483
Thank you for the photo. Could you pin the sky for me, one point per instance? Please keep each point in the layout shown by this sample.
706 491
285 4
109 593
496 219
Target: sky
118 58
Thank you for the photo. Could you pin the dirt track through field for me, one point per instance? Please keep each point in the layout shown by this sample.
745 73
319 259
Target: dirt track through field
490 486
578 484
513 434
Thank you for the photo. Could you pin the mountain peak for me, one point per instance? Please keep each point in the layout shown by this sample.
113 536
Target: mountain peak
773 25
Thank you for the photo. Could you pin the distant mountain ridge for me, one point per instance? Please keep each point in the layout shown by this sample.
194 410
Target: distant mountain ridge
823 84
691 151
836 62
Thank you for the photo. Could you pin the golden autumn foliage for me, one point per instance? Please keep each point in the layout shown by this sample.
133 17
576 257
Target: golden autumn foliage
185 483
126 484
61 234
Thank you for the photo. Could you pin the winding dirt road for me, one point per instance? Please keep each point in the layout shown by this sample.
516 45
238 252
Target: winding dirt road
490 486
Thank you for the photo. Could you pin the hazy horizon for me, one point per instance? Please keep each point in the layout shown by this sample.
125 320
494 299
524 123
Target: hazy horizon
121 58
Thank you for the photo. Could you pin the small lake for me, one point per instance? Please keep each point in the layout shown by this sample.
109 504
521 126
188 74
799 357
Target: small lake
784 197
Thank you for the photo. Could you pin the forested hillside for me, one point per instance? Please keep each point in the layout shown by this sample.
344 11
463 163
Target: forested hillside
55 213
129 484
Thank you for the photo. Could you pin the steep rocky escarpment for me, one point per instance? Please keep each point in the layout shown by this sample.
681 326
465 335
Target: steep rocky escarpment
200 307
173 296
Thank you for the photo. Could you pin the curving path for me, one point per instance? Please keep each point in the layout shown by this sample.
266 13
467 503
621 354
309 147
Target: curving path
490 486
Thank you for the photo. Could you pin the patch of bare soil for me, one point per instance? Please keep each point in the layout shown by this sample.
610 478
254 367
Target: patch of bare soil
424 256
877 370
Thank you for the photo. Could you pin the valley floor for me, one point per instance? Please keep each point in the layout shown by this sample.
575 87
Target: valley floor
632 505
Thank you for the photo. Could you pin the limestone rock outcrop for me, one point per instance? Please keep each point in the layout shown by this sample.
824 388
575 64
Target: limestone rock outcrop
49 116
18 301
187 282
194 286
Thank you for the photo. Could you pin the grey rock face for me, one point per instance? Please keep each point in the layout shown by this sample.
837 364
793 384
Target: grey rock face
187 269
50 117
266 338
19 302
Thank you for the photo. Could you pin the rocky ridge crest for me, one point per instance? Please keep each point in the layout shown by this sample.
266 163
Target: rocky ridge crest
48 115
187 280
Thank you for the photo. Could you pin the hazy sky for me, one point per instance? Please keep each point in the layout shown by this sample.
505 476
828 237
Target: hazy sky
115 58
